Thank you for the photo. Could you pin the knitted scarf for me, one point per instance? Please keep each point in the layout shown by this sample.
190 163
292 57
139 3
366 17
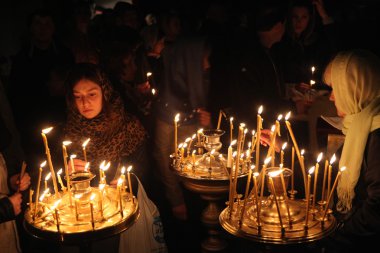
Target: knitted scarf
355 79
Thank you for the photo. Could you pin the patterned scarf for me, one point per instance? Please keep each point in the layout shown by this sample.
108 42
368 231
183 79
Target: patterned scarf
355 79
114 134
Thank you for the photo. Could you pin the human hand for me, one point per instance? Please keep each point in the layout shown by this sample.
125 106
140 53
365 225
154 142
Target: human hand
265 140
16 200
20 184
319 5
204 117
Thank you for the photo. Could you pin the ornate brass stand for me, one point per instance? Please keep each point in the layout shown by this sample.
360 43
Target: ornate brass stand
83 214
207 175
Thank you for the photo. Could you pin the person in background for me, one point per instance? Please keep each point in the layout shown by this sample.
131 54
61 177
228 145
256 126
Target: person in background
96 111
354 77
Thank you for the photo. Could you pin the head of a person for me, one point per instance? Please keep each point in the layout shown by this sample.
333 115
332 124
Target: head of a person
269 19
41 26
88 91
354 77
300 17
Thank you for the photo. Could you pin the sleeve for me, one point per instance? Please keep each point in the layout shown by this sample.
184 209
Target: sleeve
365 221
6 210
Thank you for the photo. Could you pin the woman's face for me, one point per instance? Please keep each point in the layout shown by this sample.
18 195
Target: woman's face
88 98
328 81
300 19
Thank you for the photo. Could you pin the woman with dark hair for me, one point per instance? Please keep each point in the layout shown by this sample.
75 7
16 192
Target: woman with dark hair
96 111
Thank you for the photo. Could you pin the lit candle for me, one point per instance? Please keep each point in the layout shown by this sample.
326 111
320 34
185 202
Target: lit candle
258 134
316 179
38 186
119 184
332 160
65 156
46 179
44 194
331 193
104 169
190 142
55 208
176 119
101 167
92 211
276 202
122 176
285 195
84 149
311 170
231 127
288 125
101 191
258 204
193 158
72 157
282 152
199 144
87 166
262 175
47 150
129 182
323 197
242 142
60 179
246 193
253 141
292 167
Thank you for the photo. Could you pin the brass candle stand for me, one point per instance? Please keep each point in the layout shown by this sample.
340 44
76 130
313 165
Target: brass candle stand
276 218
207 175
81 214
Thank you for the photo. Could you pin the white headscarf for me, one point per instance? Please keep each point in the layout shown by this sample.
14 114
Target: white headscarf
355 77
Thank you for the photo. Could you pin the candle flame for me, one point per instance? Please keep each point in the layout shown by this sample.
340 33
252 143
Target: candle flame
312 82
242 125
233 142
234 154
92 197
43 164
102 164
287 116
200 130
253 132
260 109
249 144
188 139
281 166
119 182
311 170
274 173
212 151
302 151
73 156
193 136
101 186
85 143
231 119
343 168
87 166
176 118
66 143
59 172
153 91
194 152
180 145
267 160
333 158
148 74
273 128
256 174
284 146
129 168
279 117
78 195
106 167
48 176
312 69
184 145
123 170
319 158
47 130
56 204
44 193
253 167
246 131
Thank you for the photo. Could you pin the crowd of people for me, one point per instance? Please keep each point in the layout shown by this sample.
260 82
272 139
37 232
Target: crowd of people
119 76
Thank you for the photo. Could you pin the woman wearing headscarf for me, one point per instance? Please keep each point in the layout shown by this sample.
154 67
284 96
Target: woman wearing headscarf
96 111
355 80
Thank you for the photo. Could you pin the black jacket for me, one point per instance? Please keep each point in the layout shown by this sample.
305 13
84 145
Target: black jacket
6 210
